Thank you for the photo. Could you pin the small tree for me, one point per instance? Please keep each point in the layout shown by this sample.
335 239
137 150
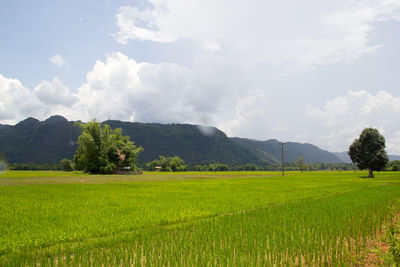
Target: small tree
368 151
67 165
3 162
102 150
300 163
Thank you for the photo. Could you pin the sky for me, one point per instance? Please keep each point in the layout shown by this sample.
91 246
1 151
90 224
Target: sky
304 71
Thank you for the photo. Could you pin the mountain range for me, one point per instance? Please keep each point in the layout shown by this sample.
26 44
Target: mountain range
51 140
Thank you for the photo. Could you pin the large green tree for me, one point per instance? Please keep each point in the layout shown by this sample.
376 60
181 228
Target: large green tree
103 150
368 151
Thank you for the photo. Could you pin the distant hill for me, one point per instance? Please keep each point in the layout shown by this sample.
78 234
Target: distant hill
55 138
346 158
39 142
343 156
292 150
393 157
186 141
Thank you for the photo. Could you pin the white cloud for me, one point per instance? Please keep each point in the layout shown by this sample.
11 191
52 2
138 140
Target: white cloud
58 60
139 25
16 101
121 88
54 93
19 102
344 118
256 116
286 34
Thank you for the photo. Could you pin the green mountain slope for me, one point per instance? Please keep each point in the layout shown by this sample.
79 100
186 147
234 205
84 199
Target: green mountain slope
55 138
292 150
39 142
186 141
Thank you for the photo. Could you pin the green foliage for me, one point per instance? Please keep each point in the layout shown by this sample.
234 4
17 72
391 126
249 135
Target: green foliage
368 151
248 167
35 166
3 166
213 167
393 166
67 165
300 163
289 166
168 164
394 238
218 167
3 162
102 150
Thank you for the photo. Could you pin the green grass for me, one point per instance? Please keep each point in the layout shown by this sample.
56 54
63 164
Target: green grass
260 217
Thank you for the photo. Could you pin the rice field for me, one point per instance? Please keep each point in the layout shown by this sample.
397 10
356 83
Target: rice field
191 219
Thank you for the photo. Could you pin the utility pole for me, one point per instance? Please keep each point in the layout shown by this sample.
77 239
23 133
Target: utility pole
283 160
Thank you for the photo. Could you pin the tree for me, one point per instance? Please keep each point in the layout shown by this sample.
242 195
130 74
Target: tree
168 164
368 151
218 167
67 165
300 163
102 150
393 166
3 162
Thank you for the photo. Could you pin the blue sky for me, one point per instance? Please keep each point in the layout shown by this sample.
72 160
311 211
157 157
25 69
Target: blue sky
316 72
33 31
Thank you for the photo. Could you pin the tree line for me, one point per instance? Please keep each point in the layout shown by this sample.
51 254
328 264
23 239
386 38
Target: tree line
391 166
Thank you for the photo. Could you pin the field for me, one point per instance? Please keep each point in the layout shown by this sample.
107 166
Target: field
191 219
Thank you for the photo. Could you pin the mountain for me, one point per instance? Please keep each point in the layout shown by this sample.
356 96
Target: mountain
343 156
186 141
39 142
292 151
51 140
346 158
55 138
393 157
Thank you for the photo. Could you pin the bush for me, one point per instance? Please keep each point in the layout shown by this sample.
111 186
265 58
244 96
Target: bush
67 165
